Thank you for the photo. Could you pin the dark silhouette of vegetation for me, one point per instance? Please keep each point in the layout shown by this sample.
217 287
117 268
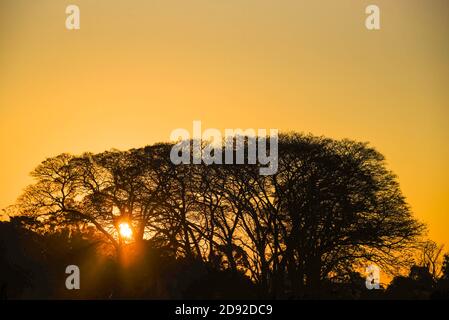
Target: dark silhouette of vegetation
215 231
32 266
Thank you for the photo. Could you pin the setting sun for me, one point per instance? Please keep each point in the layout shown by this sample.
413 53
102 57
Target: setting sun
125 230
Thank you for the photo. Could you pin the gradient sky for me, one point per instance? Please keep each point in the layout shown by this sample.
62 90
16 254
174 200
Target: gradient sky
136 70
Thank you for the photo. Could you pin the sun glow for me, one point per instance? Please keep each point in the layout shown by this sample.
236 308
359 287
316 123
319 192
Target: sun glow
125 231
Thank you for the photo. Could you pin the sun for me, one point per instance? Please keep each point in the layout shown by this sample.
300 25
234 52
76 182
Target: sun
125 230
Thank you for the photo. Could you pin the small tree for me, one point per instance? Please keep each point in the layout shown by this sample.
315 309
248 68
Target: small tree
445 267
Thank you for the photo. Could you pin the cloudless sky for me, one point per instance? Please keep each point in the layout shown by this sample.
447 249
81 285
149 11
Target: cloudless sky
136 70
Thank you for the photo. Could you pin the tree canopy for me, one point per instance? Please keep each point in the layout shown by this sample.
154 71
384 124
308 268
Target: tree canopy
332 207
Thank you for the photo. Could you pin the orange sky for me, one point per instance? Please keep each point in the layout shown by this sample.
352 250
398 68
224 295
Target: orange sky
136 70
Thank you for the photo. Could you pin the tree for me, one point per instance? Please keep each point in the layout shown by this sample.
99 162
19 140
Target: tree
342 207
431 258
445 267
102 190
332 207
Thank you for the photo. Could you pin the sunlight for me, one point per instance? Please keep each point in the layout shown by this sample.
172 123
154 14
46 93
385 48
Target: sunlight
125 230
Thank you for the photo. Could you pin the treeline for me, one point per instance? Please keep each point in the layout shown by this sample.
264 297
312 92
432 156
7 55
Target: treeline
32 266
332 207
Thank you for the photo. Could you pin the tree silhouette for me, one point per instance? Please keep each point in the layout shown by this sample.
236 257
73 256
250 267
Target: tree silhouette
331 208
445 267
442 287
430 258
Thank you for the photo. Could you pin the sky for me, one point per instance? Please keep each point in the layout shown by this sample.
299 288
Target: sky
136 70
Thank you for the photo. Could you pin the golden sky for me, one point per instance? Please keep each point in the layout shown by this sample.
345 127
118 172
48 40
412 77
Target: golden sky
136 70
